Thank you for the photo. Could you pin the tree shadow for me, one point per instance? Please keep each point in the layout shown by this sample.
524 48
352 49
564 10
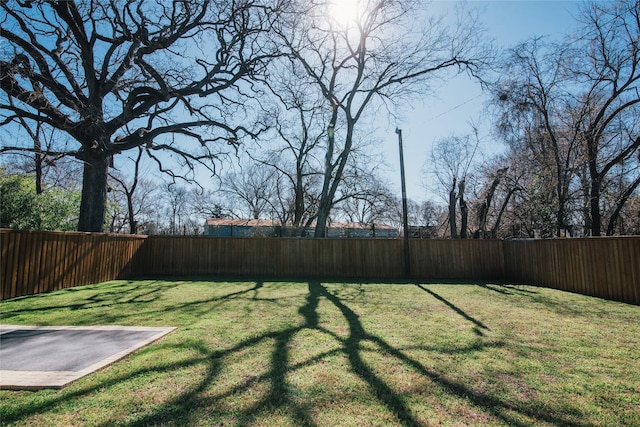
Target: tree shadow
480 327
507 289
105 296
385 394
114 296
280 395
352 347
562 306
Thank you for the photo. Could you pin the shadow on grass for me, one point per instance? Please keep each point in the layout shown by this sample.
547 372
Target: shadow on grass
574 307
280 395
108 297
105 296
479 325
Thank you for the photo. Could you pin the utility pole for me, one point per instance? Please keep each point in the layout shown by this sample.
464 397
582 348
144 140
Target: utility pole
405 222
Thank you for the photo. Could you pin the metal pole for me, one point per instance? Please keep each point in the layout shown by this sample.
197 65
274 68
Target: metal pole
405 222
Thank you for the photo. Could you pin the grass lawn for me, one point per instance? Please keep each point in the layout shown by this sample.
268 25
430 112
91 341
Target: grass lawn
253 353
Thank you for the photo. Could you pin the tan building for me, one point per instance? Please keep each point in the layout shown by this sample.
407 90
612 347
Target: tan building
222 227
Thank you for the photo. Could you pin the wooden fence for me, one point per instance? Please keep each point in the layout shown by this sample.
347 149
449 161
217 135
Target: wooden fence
457 259
349 258
606 267
35 262
271 257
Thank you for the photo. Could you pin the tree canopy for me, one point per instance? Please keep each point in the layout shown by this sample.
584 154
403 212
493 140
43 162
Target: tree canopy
271 109
116 75
23 208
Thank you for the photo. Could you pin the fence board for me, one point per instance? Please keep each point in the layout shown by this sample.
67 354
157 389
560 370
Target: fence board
66 251
9 254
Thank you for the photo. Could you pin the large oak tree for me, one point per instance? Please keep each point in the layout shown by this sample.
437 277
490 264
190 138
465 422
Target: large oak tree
115 75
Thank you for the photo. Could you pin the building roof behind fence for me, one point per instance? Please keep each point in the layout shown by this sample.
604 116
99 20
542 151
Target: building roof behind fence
222 222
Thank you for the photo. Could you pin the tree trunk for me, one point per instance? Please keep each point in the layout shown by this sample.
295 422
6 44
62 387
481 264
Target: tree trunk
619 205
505 203
37 149
326 196
482 218
299 201
594 187
594 204
321 222
38 164
464 211
584 184
133 224
94 193
560 215
452 210
484 207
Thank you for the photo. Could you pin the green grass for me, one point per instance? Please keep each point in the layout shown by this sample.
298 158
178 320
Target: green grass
259 353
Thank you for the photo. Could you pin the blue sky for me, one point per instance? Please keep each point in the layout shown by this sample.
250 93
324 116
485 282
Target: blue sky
461 100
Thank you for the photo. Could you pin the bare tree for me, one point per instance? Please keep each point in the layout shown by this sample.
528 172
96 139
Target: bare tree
138 194
177 203
607 70
253 190
424 215
486 200
208 204
624 197
534 101
123 74
451 159
294 143
379 57
365 197
35 132
41 158
573 107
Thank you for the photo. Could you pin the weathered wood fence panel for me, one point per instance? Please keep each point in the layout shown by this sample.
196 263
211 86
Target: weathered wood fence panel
281 257
607 267
457 259
36 262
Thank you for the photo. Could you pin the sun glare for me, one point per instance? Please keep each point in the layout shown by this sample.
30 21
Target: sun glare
345 12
